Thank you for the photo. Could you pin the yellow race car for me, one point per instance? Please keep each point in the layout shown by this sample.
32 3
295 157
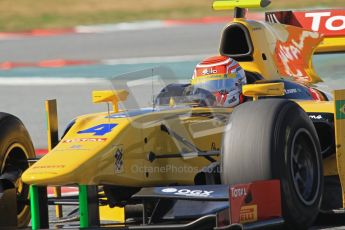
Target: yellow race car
184 164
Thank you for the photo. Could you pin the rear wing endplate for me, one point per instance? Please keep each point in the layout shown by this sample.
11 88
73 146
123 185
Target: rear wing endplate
329 23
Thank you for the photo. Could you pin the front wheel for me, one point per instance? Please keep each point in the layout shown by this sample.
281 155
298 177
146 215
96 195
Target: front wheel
15 149
275 139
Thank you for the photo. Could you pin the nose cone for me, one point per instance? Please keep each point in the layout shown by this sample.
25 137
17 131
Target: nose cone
56 168
39 177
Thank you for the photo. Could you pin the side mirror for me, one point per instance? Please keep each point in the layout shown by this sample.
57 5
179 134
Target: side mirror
265 89
113 96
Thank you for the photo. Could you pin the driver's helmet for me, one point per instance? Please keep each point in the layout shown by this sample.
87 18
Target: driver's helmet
223 77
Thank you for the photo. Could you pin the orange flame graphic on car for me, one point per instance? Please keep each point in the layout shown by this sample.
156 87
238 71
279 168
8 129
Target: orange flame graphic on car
293 57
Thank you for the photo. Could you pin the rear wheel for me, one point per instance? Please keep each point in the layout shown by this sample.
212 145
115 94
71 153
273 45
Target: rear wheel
281 143
15 149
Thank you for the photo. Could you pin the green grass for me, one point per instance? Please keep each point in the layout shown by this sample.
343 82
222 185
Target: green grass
23 15
51 20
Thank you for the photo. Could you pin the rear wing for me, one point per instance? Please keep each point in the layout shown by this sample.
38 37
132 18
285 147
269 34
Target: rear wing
329 23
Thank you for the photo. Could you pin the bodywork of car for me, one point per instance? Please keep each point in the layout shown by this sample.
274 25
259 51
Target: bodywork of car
168 145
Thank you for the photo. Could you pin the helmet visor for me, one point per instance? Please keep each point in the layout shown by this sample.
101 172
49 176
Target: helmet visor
217 85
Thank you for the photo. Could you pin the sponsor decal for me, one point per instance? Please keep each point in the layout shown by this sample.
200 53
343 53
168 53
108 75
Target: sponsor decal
169 190
238 192
293 56
331 23
214 147
340 109
290 91
84 140
73 147
99 130
248 213
315 95
245 199
327 22
209 71
221 97
188 192
232 100
48 166
118 160
316 117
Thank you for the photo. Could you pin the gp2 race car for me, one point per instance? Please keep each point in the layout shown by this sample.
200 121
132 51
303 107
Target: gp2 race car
273 160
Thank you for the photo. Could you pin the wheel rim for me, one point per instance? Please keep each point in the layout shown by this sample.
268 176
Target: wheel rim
14 154
305 167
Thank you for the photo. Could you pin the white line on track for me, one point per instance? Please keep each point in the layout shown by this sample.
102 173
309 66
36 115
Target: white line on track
162 59
21 81
41 80
121 27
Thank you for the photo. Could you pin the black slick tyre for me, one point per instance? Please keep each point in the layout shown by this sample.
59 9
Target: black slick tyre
15 149
275 139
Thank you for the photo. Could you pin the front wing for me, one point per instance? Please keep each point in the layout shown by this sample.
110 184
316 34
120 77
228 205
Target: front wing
218 206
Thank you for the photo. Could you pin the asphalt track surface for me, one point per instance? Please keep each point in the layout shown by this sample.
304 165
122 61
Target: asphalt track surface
168 41
74 98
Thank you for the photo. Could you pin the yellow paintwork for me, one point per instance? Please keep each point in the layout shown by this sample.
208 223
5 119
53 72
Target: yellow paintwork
172 102
231 4
264 36
212 77
330 166
268 89
317 106
331 44
264 42
93 162
112 214
113 96
52 123
52 128
88 159
339 121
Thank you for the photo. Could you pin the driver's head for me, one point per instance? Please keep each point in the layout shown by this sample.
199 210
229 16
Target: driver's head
223 77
